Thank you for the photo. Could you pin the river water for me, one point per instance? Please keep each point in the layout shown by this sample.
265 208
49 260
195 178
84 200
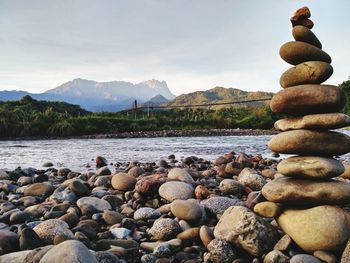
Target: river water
77 154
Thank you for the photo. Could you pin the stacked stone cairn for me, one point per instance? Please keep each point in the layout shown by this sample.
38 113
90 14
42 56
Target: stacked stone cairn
306 188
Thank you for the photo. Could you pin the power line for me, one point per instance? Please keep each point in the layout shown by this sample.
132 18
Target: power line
198 105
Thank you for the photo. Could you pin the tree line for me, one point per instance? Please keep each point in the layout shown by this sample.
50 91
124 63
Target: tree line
28 117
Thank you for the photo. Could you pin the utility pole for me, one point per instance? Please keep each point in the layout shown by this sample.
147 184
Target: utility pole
135 103
148 110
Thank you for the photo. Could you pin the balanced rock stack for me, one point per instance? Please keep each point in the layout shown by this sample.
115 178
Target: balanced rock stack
306 188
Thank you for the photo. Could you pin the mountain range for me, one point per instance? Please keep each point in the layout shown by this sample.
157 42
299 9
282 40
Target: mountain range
118 95
99 96
219 95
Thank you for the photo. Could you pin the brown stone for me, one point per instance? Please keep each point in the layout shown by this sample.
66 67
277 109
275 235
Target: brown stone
189 234
149 185
188 210
326 121
301 17
304 34
301 12
201 192
308 142
268 209
296 52
300 192
318 228
123 182
310 72
206 235
325 256
39 189
346 173
283 244
308 99
310 167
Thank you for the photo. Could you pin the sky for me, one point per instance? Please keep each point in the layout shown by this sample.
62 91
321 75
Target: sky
191 44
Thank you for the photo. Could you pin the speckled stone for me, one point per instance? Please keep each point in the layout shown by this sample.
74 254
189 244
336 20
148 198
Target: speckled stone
221 251
145 213
51 228
164 229
218 204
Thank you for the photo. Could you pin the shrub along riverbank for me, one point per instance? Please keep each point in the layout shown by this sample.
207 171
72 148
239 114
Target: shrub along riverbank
29 117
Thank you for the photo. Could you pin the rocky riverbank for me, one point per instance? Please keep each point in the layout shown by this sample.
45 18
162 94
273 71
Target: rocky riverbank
189 210
163 133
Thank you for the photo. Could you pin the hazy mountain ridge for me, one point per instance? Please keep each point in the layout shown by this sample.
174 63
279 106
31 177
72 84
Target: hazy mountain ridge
218 95
119 95
98 96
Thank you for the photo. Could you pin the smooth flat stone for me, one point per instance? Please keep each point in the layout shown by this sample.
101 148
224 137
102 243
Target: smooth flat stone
300 192
310 72
296 52
308 142
326 121
319 228
310 167
304 34
308 99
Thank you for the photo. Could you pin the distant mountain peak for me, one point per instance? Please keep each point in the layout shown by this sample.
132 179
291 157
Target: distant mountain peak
153 83
217 95
156 100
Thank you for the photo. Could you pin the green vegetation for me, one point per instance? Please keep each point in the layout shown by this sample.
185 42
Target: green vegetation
220 95
345 87
29 117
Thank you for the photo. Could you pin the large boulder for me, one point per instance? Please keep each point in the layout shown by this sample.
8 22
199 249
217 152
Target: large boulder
71 251
296 52
306 192
312 167
310 72
307 142
246 230
326 121
318 228
308 99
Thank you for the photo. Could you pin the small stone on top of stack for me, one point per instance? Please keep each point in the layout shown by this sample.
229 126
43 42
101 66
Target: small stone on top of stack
307 190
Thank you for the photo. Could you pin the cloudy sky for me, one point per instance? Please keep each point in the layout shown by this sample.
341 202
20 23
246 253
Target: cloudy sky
191 44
